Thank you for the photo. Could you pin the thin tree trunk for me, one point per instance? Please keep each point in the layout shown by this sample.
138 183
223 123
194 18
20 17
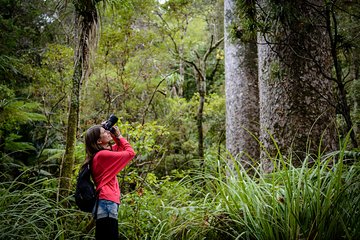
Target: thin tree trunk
200 113
342 105
86 20
73 121
200 75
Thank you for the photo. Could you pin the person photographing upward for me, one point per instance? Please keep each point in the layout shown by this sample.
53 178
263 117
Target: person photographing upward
106 161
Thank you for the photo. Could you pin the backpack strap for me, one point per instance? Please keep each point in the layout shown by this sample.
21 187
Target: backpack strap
96 192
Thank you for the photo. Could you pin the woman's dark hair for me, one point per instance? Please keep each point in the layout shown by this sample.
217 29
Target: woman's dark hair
91 137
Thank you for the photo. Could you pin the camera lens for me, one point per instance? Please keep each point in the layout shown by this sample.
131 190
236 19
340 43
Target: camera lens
110 123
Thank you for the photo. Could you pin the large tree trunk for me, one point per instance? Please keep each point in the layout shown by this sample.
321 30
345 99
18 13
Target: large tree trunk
241 89
86 20
294 61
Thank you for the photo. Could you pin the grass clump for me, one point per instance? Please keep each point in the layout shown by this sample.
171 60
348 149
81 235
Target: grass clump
319 200
30 211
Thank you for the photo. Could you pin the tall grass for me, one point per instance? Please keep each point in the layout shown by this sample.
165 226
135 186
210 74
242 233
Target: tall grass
29 211
318 200
315 201
170 209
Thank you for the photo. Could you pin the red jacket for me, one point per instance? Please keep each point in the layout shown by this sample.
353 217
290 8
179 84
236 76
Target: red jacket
106 165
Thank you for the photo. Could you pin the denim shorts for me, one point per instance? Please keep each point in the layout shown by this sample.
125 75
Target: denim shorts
106 208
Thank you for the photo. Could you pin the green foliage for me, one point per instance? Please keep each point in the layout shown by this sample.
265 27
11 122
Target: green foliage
14 111
52 155
29 211
318 200
354 94
147 140
13 115
214 119
11 144
24 92
245 24
21 24
165 209
181 143
276 72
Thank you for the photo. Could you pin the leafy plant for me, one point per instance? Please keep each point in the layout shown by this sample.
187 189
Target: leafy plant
30 211
318 200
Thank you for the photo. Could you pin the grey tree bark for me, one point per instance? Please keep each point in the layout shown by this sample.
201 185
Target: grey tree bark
241 91
295 95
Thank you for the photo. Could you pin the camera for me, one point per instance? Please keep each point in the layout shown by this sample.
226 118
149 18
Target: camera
108 125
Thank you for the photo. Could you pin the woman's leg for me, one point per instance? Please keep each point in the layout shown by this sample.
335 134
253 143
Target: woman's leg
107 229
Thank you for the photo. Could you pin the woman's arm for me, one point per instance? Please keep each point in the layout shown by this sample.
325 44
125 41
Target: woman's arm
116 137
110 163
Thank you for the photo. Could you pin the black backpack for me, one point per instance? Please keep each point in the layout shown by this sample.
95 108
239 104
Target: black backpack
85 193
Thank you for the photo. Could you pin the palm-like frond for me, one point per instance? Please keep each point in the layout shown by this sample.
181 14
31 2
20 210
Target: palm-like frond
87 23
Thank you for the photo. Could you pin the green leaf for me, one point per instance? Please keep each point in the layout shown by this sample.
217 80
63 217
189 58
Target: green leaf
12 145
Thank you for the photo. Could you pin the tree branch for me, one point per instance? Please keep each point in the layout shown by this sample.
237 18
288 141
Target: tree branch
152 97
212 47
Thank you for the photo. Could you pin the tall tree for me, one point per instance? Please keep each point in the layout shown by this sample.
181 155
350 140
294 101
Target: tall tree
295 95
241 82
200 68
86 25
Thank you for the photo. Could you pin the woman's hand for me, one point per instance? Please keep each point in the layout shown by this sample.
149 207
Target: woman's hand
117 132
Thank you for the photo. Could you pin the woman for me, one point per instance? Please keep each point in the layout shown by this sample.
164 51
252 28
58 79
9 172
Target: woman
106 162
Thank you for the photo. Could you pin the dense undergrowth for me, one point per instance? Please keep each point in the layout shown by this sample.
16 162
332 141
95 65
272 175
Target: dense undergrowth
319 200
